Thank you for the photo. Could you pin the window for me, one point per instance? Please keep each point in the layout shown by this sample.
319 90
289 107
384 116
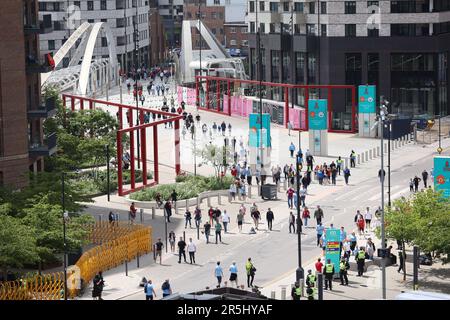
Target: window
244 30
441 5
233 42
91 20
252 6
312 7
104 20
300 67
213 30
373 32
272 27
56 6
441 28
350 30
311 29
298 7
51 44
244 43
275 59
214 15
77 4
373 68
286 66
273 6
262 27
103 5
373 4
42 6
232 29
296 28
261 6
312 68
104 42
90 5
286 6
252 27
350 7
323 7
410 30
410 6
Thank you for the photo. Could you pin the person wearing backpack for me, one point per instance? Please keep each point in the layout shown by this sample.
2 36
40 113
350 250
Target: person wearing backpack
346 174
149 290
166 289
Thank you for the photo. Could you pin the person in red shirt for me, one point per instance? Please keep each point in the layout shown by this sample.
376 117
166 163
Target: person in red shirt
211 215
319 266
234 172
180 110
290 194
133 211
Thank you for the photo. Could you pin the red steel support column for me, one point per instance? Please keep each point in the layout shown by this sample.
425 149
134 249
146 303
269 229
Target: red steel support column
197 96
229 97
141 116
177 147
120 118
144 156
81 104
286 106
119 163
155 154
91 105
218 95
207 93
353 109
306 108
64 100
330 108
72 103
133 177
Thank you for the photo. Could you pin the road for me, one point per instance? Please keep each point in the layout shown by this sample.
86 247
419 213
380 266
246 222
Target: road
275 253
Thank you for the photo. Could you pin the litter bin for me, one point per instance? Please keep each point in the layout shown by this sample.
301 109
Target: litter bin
269 191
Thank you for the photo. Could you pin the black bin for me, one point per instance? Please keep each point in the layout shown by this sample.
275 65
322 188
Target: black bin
269 191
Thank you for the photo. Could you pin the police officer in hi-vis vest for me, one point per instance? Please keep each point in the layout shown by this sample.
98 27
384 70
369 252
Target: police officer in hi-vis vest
360 260
329 272
310 291
296 292
343 267
310 279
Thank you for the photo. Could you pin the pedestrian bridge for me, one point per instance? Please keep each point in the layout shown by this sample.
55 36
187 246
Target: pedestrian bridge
89 76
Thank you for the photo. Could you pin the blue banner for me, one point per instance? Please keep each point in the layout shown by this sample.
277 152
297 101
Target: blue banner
318 114
255 130
441 173
367 99
332 251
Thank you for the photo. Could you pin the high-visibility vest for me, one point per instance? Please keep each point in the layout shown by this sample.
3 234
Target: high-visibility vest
342 266
311 294
329 268
298 291
311 278
361 255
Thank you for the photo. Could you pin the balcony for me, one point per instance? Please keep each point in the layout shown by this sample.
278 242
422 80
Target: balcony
46 149
47 110
37 29
34 65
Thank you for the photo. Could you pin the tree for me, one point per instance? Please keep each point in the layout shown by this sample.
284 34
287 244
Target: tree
17 244
218 157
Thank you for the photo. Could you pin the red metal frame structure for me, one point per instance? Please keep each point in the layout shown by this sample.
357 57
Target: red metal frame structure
286 87
138 129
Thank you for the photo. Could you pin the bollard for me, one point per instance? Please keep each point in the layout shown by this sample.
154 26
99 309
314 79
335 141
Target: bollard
117 218
184 235
141 212
285 184
283 293
346 164
218 199
208 201
370 154
100 218
378 151
198 232
397 144
366 156
358 159
320 285
272 295
176 207
278 187
137 260
126 267
198 201
153 213
250 191
187 204
385 148
259 191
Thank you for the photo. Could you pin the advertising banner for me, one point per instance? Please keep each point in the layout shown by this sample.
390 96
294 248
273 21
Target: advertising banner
318 114
441 174
367 99
332 248
255 130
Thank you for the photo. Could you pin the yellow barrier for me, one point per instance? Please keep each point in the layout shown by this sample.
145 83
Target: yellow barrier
119 242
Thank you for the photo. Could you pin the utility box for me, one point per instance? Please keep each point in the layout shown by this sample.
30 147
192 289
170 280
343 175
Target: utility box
269 191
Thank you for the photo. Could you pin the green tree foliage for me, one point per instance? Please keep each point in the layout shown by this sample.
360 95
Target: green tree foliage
219 157
17 244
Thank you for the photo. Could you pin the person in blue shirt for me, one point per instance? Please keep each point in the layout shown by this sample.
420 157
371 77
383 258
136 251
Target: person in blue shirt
166 289
319 230
342 237
149 290
292 149
233 274
219 274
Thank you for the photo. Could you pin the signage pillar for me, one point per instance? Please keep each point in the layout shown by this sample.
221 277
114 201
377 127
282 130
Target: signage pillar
441 175
318 127
259 138
367 111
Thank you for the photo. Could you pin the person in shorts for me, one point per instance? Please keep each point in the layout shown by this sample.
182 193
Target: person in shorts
158 250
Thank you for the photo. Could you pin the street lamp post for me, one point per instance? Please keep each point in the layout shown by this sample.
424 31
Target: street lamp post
299 273
136 61
107 170
64 234
200 53
260 76
389 164
382 119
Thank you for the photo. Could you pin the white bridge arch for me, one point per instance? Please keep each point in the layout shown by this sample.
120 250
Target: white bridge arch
88 76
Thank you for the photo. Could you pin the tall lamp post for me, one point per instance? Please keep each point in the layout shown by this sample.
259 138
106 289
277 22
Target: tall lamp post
136 61
200 52
107 170
64 234
299 273
260 76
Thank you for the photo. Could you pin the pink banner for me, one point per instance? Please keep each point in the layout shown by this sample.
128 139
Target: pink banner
191 96
297 118
225 103
180 94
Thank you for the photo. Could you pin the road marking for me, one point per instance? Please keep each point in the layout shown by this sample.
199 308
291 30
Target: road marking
398 194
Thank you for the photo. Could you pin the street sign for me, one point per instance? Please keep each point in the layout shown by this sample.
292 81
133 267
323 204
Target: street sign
332 249
255 130
366 99
441 173
318 114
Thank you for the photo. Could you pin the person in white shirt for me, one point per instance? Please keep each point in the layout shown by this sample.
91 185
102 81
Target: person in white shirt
368 218
225 220
191 249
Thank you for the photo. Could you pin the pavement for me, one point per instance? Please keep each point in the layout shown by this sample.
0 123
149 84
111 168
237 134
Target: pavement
274 253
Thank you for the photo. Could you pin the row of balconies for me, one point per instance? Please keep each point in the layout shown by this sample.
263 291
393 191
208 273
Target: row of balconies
46 148
44 110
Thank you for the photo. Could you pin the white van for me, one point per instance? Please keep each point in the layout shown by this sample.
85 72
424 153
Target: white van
422 295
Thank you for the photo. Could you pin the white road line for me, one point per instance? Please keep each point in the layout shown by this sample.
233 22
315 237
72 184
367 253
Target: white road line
398 194
345 194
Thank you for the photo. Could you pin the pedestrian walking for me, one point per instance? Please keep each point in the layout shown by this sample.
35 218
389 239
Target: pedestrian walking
290 197
219 274
158 250
181 248
197 217
225 220
416 183
207 227
402 259
218 229
302 197
111 218
232 191
368 217
270 217
98 283
256 216
234 274
360 261
318 265
352 159
149 291
172 240
289 128
240 220
370 249
339 164
411 185
343 267
305 215
291 222
318 214
132 212
319 232
188 218
329 272
250 269
166 289
310 279
346 174
168 210
292 149
191 249
353 241
425 178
